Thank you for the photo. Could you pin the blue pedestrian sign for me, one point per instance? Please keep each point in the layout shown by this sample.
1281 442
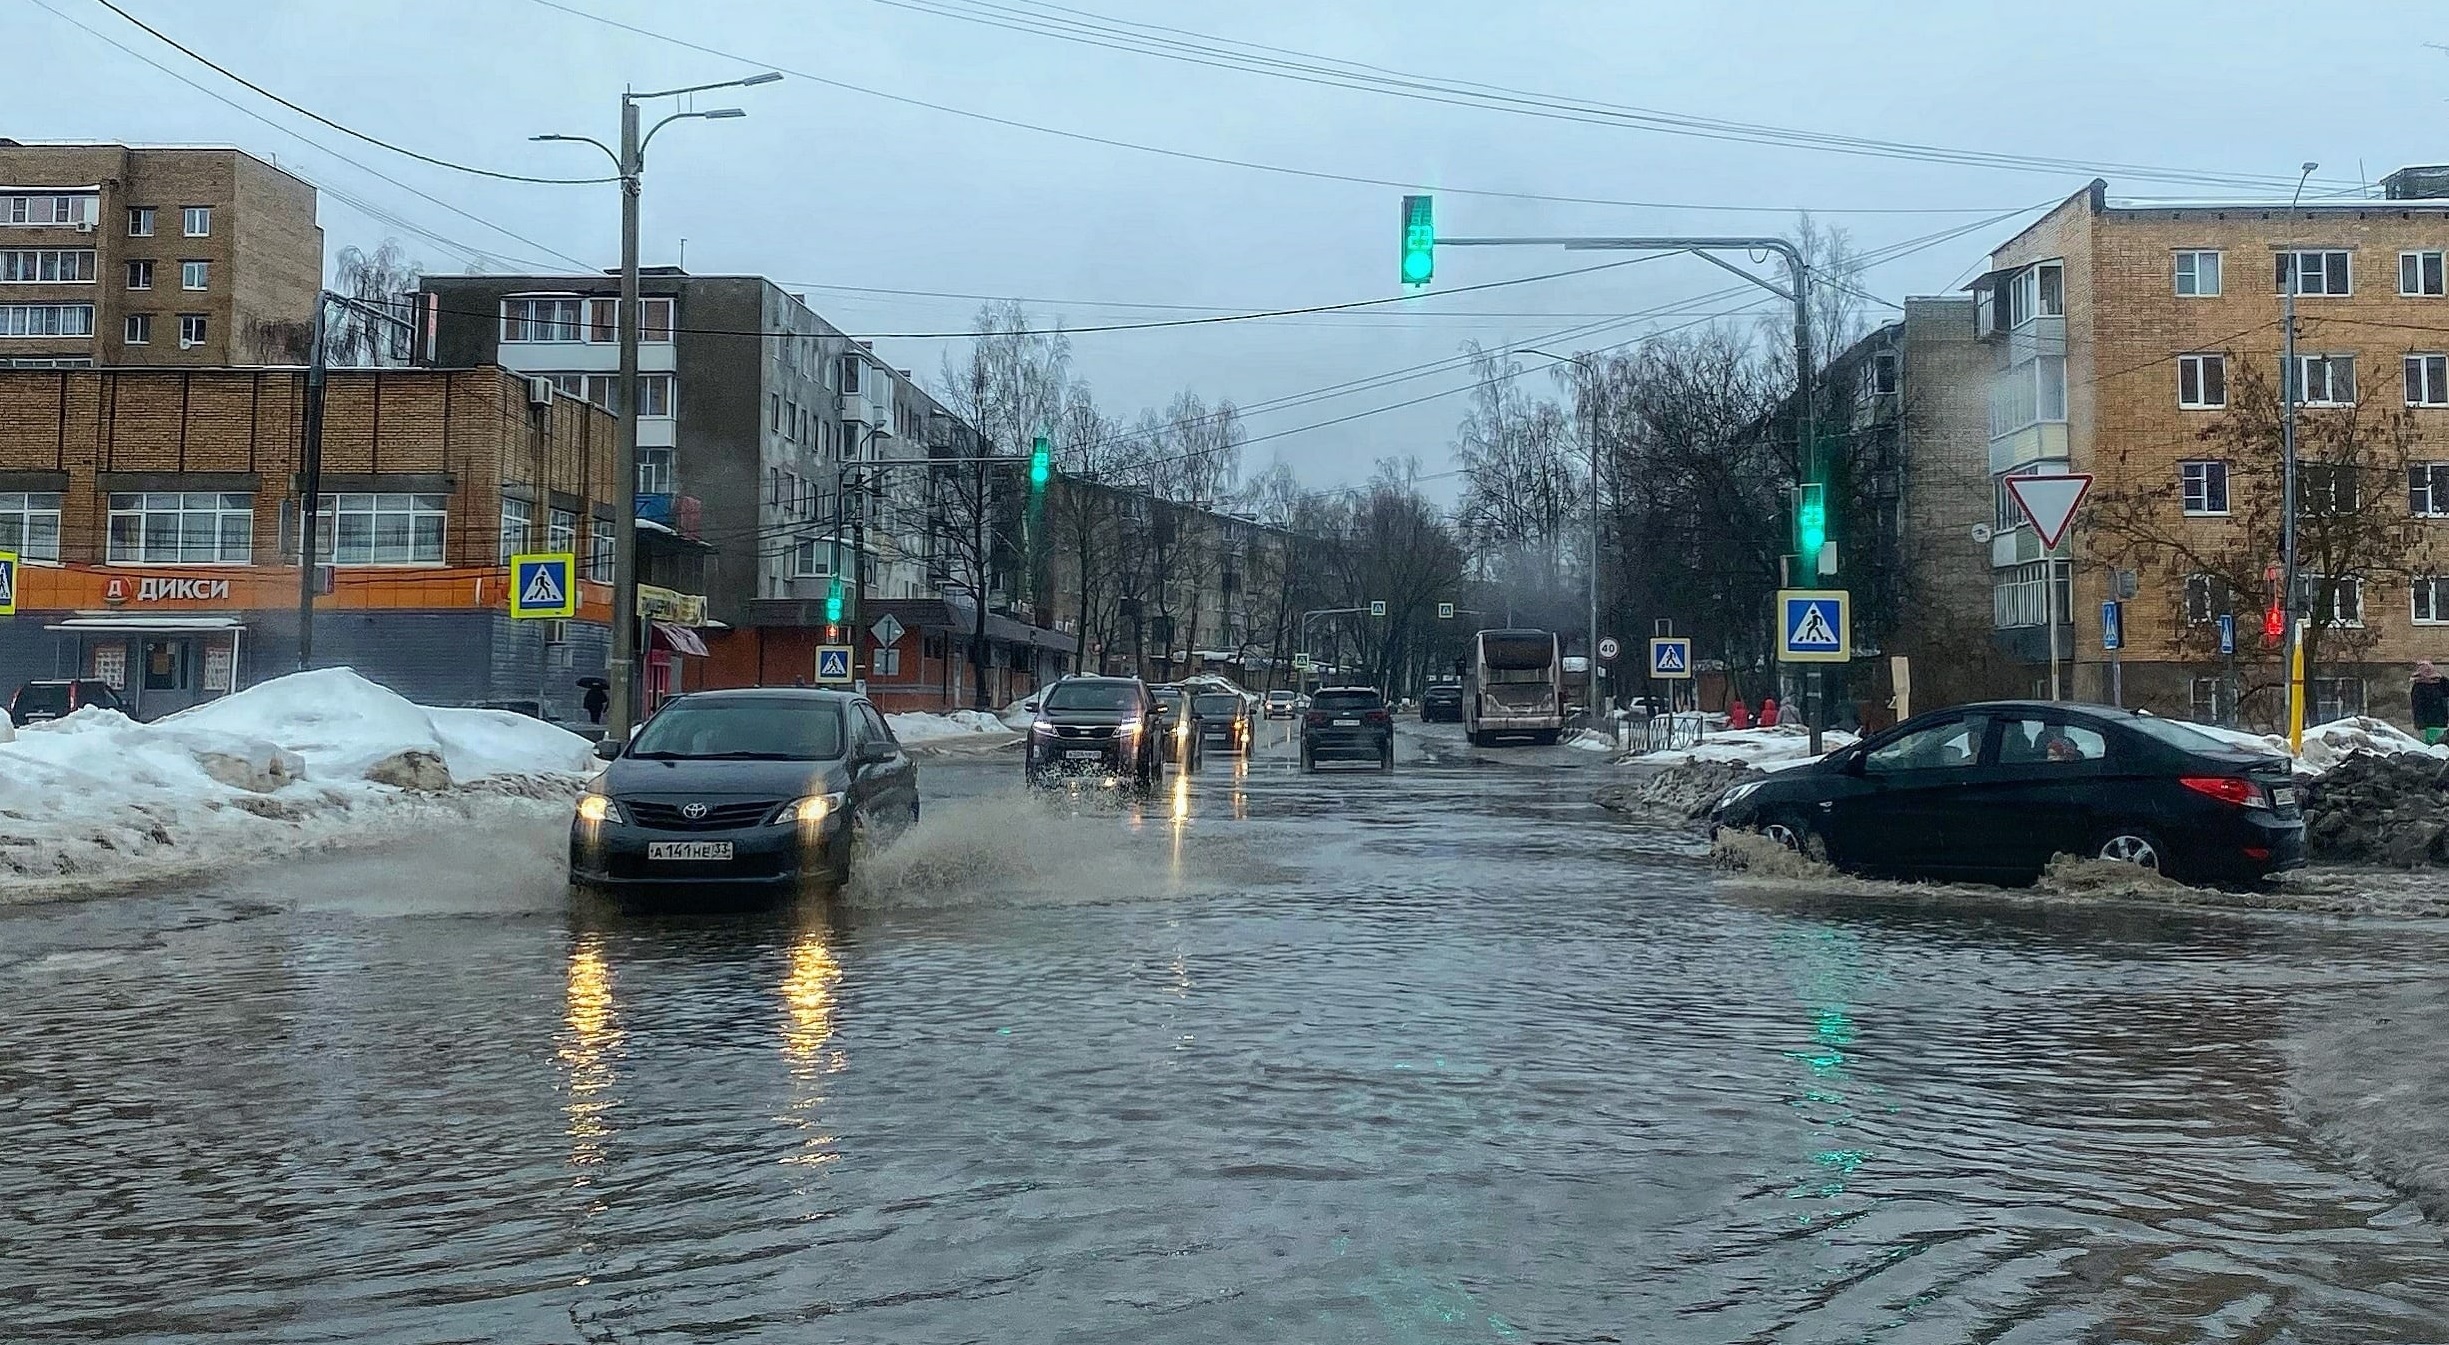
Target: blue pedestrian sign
2112 625
8 583
1814 625
1671 656
543 585
2227 632
833 665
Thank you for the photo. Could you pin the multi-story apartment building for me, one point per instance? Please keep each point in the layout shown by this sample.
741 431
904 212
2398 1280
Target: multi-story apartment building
112 255
2141 343
154 515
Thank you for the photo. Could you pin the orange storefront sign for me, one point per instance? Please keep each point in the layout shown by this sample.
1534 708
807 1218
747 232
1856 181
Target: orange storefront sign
238 588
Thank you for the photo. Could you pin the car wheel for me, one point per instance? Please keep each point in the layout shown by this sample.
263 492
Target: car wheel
1309 760
1471 736
1795 833
2133 847
1386 758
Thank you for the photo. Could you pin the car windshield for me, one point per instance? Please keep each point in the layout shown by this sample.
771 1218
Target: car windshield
1091 696
757 729
1166 695
1279 697
1344 702
1224 705
38 699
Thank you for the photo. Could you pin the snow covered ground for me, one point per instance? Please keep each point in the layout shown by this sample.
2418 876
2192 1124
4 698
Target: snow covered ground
921 727
2326 745
1762 749
97 800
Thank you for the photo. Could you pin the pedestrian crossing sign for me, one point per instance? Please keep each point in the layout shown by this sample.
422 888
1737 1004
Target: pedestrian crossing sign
1814 625
833 665
8 583
543 585
1671 657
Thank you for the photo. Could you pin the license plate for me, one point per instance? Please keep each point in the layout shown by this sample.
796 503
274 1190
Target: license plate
689 850
1347 723
1085 753
2284 798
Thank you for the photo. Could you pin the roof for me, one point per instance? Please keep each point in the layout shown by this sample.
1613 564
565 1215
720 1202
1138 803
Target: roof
811 694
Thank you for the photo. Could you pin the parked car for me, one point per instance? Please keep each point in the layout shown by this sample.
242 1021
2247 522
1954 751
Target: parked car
761 788
1442 702
1283 705
57 699
1996 790
1348 724
1177 723
1223 717
1102 728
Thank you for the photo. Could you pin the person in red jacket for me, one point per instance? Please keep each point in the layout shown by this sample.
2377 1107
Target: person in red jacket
1737 716
1768 713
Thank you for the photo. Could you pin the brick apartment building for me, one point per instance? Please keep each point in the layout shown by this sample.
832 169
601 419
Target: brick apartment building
154 513
193 258
2119 335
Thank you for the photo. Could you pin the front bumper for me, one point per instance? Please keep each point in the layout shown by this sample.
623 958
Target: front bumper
1061 758
615 855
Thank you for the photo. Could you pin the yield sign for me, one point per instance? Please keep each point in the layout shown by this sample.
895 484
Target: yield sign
2049 501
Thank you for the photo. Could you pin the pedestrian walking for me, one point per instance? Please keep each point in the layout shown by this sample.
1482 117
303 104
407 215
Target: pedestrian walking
595 702
2430 693
1738 715
1768 712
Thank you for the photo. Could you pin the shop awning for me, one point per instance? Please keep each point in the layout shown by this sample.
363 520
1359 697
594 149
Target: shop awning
681 639
114 623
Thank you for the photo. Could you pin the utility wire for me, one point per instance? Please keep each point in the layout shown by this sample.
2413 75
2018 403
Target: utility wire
312 115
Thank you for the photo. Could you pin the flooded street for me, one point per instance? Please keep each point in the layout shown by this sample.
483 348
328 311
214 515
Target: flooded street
1444 1055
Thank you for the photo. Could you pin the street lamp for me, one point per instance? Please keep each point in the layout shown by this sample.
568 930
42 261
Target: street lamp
630 161
1590 417
2287 459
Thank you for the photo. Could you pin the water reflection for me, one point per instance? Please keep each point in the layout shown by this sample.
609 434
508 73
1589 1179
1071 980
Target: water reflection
811 980
1829 980
590 1045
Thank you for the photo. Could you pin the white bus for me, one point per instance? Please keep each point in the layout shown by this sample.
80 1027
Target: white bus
1514 684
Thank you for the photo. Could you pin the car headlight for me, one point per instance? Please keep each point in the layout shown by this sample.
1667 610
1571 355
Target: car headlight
1737 795
809 811
1041 729
600 808
1127 729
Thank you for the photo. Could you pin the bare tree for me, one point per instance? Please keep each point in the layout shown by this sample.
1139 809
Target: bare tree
1525 500
385 283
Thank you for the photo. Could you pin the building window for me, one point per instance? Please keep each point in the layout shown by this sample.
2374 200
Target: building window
655 320
2430 592
138 330
140 221
2209 701
602 546
384 529
2198 275
2328 488
2027 394
2419 274
192 329
2317 272
46 319
540 320
31 210
811 558
53 266
654 471
195 275
655 396
30 524
517 517
2427 380
181 528
140 274
2325 380
2207 599
2206 487
2036 292
197 221
2202 382
2018 597
603 321
2336 698
561 532
2346 598
2427 489
850 375
774 411
1883 373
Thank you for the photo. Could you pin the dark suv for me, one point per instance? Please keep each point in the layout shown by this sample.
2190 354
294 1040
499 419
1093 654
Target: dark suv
1106 728
1348 724
38 701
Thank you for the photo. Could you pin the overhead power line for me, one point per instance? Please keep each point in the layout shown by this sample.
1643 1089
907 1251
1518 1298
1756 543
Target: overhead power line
234 77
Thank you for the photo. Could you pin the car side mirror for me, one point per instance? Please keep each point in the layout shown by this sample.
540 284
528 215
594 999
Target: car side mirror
607 749
874 750
1029 705
1856 763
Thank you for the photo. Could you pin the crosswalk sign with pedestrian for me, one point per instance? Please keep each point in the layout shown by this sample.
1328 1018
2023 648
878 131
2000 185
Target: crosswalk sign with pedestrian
833 665
1671 656
1814 625
8 583
543 585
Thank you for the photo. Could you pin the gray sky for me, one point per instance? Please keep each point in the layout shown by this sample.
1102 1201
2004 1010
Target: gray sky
821 186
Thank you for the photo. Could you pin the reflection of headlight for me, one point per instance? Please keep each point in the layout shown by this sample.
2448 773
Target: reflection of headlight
1182 730
1737 795
813 809
599 808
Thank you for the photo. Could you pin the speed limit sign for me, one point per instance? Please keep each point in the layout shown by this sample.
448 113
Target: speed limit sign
1609 649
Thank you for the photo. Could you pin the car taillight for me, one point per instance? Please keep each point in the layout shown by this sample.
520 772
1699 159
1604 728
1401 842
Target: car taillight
2227 789
1315 719
1378 717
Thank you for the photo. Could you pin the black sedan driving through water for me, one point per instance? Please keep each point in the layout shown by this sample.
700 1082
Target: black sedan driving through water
1996 791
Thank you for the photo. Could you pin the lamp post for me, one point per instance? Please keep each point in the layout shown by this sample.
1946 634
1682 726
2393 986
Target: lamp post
2288 391
630 162
1590 433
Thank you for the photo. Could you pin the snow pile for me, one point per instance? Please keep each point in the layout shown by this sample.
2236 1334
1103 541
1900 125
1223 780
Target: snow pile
2326 745
97 799
1772 749
919 727
1591 740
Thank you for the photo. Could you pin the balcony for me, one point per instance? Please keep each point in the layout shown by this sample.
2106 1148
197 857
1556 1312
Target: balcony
680 513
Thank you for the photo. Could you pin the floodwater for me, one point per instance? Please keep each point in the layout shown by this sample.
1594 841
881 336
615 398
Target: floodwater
1445 1055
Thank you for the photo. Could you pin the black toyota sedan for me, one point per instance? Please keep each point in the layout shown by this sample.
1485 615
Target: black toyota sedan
748 788
1994 791
1102 730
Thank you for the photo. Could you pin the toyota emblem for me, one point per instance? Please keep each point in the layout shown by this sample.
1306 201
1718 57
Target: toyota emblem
695 812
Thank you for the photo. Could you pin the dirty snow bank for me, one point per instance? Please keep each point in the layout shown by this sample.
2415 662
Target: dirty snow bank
2327 745
922 727
96 800
1773 749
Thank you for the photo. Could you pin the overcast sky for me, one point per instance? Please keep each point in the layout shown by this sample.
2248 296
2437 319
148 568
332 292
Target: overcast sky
824 186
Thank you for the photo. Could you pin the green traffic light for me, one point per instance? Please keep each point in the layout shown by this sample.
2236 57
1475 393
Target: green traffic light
1811 519
1041 462
1419 241
833 603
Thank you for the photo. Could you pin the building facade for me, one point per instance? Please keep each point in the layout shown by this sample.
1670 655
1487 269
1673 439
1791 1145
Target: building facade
189 258
155 517
2141 344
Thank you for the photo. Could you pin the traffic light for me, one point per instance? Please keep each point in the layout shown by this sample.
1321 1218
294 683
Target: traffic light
1419 241
2274 624
1810 522
833 603
1041 463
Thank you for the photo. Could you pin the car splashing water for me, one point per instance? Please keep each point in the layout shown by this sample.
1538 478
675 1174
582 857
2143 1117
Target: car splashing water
1071 846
